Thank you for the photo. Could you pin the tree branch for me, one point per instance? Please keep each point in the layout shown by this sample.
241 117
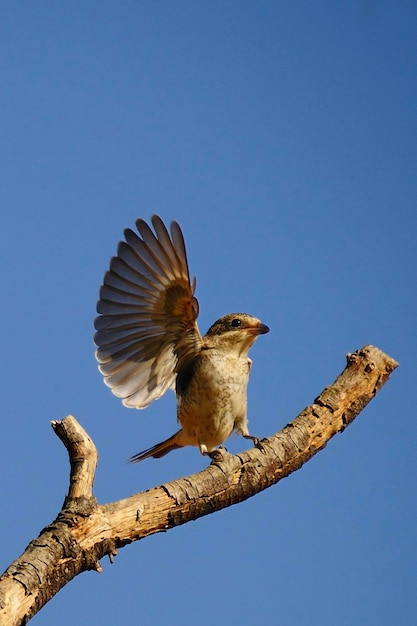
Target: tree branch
85 531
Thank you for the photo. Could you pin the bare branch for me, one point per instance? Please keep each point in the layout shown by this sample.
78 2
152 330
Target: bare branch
83 459
84 531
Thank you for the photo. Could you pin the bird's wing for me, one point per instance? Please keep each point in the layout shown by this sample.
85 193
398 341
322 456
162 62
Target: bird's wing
146 328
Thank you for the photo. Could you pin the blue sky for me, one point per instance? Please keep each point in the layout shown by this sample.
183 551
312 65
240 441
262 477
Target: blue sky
283 138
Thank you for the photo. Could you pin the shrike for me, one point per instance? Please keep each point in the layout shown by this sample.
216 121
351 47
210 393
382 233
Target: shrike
148 340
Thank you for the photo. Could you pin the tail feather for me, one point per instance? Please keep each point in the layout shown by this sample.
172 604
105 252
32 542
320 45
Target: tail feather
159 450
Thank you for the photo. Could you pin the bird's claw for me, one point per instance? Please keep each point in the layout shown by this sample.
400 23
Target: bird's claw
256 442
217 455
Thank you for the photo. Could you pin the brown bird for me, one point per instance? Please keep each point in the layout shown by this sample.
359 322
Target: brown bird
148 340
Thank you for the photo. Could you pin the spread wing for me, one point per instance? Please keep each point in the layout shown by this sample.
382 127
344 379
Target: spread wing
146 328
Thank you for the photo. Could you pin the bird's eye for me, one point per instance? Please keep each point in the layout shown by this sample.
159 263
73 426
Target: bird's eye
236 322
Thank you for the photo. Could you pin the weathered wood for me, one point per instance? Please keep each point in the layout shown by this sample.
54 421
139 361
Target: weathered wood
85 531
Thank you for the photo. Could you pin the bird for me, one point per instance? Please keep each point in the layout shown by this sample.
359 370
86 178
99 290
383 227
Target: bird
148 341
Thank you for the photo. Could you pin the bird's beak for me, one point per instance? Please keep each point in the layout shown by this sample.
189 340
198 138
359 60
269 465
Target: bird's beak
260 329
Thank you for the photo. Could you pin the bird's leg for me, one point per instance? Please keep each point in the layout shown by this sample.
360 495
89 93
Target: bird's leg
203 448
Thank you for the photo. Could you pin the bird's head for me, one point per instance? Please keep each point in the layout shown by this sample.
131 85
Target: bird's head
235 331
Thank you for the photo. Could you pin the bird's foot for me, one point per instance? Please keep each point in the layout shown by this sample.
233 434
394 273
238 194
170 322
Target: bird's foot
217 455
256 442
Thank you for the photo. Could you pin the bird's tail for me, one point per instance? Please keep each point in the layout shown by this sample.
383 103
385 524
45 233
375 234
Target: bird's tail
160 449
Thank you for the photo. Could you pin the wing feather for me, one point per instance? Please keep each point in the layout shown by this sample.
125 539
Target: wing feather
146 330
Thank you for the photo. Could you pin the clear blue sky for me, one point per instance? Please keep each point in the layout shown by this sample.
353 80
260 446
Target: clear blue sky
283 137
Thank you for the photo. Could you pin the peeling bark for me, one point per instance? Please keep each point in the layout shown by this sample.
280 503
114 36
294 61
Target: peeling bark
85 531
